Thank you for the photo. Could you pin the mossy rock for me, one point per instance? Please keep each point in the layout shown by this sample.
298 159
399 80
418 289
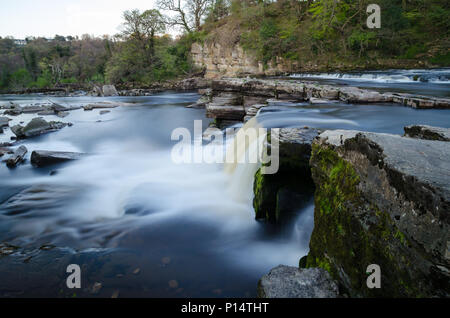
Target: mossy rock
351 233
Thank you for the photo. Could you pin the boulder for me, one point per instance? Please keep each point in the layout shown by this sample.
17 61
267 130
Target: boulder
17 157
382 199
41 158
36 127
293 282
109 90
428 132
96 91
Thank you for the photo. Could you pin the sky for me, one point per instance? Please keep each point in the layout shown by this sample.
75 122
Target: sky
22 18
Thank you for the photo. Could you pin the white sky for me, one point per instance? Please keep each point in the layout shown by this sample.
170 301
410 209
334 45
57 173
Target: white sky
21 18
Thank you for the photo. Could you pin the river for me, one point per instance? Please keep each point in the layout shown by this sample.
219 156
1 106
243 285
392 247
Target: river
138 223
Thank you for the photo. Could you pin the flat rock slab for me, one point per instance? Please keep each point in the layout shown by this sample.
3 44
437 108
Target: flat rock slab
105 105
424 160
292 282
40 158
428 132
271 88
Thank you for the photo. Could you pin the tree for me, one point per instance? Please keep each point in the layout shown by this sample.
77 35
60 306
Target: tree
143 27
189 14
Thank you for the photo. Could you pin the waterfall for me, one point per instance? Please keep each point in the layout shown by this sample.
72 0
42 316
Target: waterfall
243 159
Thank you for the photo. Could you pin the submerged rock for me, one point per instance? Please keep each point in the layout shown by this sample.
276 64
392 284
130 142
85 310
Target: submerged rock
36 127
428 132
109 90
293 282
382 199
41 158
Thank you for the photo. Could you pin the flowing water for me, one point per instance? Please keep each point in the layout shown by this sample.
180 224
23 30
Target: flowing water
142 225
435 82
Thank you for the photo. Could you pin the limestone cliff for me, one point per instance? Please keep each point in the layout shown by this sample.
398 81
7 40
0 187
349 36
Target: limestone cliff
225 61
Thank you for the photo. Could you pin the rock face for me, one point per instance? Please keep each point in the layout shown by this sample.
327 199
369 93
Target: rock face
36 127
382 199
219 61
226 106
46 158
279 196
428 133
292 282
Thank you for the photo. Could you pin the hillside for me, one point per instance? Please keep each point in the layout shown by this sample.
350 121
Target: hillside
332 35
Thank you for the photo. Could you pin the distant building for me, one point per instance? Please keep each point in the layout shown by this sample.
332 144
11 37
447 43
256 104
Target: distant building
20 42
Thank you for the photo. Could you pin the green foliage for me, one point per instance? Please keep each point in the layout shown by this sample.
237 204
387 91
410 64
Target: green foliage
442 60
20 79
327 31
43 81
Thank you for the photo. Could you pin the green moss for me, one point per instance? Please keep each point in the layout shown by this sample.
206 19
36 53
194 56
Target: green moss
342 243
260 203
338 186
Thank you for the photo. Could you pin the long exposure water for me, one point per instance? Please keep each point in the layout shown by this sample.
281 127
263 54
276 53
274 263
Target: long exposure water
142 225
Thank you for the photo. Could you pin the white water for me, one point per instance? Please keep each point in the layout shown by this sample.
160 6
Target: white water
241 165
436 76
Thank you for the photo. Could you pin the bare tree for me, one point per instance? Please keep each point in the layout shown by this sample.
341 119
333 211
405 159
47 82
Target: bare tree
189 14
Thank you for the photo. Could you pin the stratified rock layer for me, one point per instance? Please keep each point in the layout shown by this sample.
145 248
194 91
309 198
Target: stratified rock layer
232 98
382 199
